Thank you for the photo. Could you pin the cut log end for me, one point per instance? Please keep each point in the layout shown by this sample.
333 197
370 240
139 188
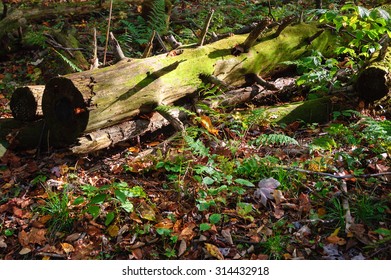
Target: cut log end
372 84
25 103
65 111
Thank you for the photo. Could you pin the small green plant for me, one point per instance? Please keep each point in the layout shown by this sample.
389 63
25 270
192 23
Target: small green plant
369 211
57 206
335 212
274 139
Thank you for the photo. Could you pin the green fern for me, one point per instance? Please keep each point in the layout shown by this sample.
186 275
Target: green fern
158 17
70 63
274 139
197 147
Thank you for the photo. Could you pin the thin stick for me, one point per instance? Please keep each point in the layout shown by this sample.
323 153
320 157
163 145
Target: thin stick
336 176
206 27
108 32
95 60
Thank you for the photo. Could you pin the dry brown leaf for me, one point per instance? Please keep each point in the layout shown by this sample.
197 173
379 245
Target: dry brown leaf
278 197
187 233
166 224
304 202
137 254
214 251
73 237
182 248
24 251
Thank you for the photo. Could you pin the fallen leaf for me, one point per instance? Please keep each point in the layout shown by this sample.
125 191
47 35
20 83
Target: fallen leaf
187 233
166 224
2 242
265 189
214 251
24 251
73 237
113 230
68 248
207 124
182 248
304 203
226 233
278 196
146 211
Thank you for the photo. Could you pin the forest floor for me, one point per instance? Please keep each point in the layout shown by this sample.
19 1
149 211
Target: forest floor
232 187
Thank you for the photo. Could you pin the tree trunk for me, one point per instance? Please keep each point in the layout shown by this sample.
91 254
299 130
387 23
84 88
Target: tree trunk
84 102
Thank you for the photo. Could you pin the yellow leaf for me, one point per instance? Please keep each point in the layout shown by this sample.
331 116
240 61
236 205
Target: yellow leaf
68 248
336 231
113 230
214 251
45 258
207 124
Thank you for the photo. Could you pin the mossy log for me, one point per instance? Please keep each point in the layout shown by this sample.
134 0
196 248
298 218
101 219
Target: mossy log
26 103
374 82
84 102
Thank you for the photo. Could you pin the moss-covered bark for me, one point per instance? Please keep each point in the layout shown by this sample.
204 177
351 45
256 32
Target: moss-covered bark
83 102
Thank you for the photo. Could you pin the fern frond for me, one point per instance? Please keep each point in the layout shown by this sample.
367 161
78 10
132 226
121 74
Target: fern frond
70 63
274 139
196 146
158 16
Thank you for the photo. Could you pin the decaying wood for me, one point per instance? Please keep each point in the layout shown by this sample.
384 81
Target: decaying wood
374 82
26 103
84 102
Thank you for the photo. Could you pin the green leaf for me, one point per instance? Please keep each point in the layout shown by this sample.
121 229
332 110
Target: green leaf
109 218
120 195
94 210
98 199
163 231
8 232
78 200
136 191
244 182
127 206
208 181
205 226
383 231
215 218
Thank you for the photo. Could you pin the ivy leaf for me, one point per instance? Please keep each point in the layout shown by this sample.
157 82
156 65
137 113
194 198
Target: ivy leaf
265 189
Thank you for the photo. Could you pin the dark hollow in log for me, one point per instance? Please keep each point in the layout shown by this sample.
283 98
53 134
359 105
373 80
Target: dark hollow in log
26 103
373 84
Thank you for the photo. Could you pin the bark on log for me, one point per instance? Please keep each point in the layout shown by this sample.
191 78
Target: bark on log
84 102
26 103
100 139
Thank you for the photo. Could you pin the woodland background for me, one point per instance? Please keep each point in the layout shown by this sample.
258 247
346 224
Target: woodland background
293 164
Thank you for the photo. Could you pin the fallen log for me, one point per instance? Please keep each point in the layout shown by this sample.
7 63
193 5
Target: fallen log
26 103
374 82
84 102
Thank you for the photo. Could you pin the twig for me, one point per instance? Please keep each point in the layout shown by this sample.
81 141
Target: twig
53 255
159 39
95 60
148 48
254 34
108 32
336 176
118 53
206 27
